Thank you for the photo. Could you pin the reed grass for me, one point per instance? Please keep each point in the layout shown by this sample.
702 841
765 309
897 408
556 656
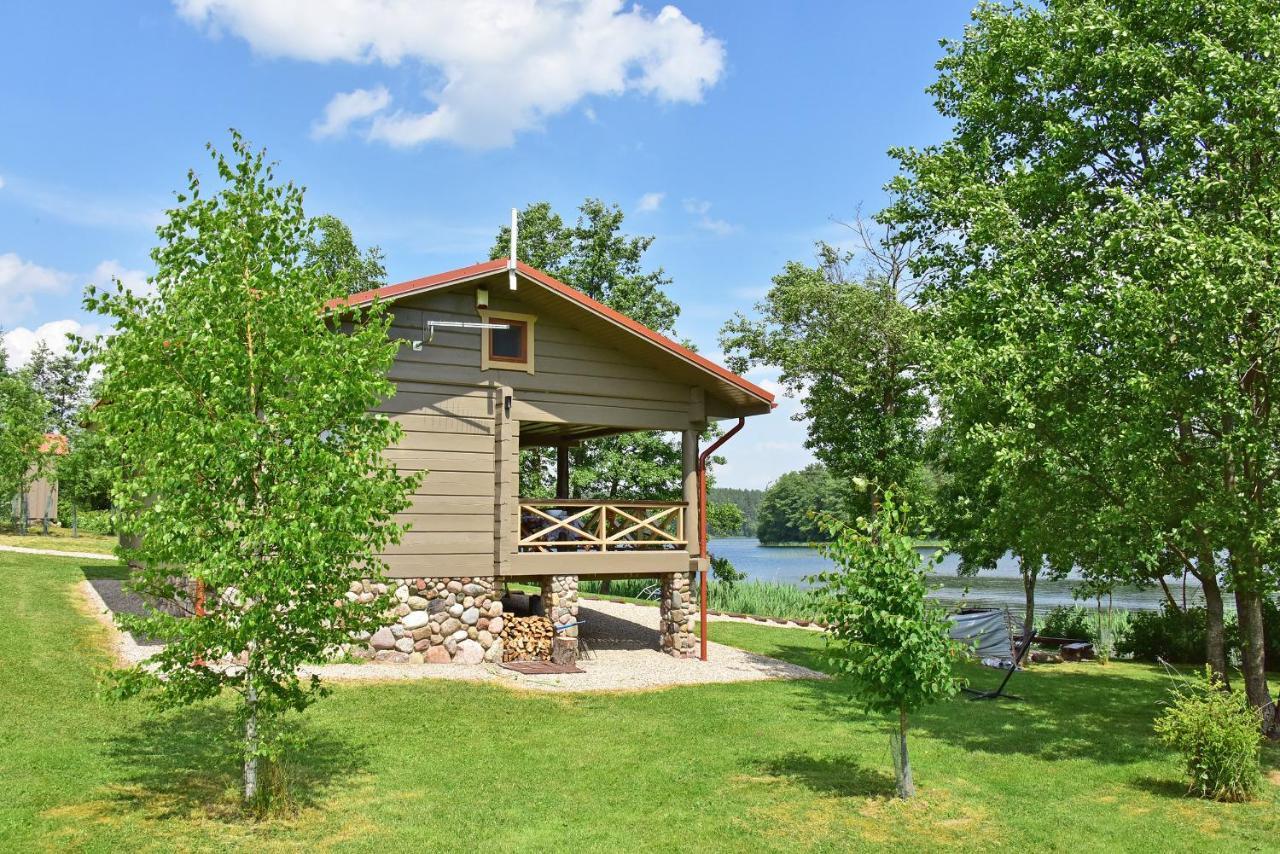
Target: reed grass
755 598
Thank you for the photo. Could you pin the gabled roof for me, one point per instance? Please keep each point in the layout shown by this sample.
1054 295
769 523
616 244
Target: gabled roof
487 269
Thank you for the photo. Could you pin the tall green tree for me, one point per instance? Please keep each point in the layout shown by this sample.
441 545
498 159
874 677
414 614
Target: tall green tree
882 633
724 519
23 416
847 343
987 510
332 248
595 256
63 381
240 414
792 505
746 500
1098 236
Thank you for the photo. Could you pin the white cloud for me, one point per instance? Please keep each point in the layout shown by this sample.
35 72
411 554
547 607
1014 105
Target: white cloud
650 202
1 182
347 107
134 281
498 67
21 281
702 210
21 342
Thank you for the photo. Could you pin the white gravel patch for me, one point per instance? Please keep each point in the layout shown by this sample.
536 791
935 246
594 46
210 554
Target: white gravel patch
57 553
623 656
127 651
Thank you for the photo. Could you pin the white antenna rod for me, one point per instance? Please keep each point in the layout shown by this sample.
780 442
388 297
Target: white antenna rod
511 262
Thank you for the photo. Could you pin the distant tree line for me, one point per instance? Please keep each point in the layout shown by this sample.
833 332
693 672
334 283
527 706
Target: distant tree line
745 501
790 509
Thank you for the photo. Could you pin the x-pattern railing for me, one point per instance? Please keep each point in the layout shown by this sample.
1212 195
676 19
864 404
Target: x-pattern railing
590 525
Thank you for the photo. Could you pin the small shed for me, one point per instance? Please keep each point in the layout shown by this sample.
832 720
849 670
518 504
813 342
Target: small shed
497 357
40 502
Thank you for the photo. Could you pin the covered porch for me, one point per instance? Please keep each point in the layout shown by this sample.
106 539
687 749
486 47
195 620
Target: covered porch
559 540
602 537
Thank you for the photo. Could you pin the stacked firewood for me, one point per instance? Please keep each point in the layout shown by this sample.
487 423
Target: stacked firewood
527 639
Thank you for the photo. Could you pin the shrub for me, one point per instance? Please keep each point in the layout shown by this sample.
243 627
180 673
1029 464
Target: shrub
1109 625
722 569
1217 733
1070 621
1168 634
89 521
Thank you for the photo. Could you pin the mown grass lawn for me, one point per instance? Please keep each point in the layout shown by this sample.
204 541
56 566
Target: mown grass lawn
449 766
59 539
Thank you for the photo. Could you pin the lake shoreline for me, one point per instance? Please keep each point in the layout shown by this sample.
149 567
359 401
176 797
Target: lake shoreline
1001 587
920 544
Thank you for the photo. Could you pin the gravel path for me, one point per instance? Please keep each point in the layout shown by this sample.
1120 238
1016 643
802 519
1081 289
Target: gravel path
57 553
622 655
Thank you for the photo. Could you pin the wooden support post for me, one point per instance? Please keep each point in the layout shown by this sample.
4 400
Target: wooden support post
689 482
562 469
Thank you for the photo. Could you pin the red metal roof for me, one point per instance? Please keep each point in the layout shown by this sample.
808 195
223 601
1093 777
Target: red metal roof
488 268
54 443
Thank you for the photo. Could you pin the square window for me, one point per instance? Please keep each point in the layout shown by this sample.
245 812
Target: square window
510 344
507 344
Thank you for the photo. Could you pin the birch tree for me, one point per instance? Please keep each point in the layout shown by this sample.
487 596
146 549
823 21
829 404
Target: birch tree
249 459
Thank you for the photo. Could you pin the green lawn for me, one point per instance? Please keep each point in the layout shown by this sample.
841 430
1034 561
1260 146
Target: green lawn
59 539
442 766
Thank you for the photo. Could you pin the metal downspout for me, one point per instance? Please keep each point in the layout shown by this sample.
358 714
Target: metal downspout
702 531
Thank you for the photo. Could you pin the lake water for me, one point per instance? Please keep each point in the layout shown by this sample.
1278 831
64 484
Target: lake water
1000 587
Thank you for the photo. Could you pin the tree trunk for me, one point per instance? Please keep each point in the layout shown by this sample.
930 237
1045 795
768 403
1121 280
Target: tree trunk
1168 595
1253 658
1215 645
906 786
1029 589
251 741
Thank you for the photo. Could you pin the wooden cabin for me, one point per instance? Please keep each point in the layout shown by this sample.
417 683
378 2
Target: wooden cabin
498 357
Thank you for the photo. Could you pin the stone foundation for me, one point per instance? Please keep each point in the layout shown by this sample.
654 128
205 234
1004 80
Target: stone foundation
675 618
560 602
437 620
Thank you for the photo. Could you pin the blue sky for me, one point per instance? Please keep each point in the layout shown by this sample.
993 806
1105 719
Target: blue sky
734 132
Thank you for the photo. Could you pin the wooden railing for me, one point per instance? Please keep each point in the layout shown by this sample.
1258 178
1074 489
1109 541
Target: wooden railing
600 526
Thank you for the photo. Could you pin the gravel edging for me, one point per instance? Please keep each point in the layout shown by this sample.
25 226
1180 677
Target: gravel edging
638 666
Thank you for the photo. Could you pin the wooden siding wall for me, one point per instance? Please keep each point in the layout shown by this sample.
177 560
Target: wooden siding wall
465 514
575 380
449 431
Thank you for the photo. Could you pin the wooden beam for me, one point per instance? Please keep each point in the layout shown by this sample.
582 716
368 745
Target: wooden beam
644 564
562 470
